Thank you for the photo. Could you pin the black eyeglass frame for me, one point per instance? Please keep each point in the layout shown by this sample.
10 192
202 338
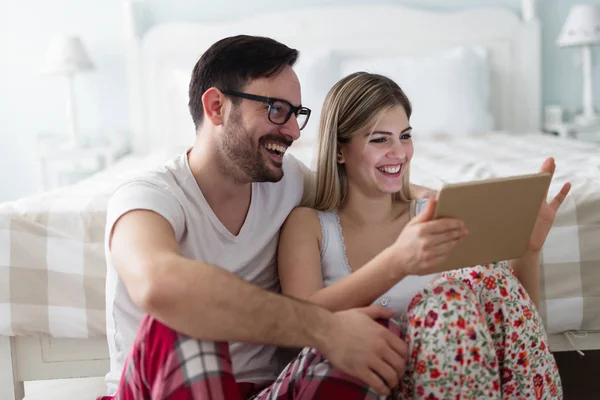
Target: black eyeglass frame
270 101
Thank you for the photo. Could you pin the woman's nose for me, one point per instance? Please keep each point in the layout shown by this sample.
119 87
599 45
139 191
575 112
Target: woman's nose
397 151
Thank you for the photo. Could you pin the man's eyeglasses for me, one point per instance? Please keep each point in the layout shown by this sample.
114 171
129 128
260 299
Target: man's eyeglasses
280 110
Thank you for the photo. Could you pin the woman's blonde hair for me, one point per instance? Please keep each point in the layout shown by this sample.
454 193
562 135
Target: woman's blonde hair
354 103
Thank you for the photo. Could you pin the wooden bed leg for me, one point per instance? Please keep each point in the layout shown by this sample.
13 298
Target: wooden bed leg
11 388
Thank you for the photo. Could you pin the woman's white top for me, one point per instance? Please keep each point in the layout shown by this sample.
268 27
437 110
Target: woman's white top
334 262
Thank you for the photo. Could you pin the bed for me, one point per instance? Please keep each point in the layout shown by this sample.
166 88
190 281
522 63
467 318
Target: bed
485 63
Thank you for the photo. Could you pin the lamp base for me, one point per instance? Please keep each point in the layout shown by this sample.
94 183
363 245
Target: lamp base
587 120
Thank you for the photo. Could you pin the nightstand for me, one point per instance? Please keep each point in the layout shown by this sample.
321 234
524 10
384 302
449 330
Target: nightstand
64 164
575 131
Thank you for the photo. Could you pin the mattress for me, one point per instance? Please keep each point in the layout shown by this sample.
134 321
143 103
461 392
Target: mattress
570 276
52 264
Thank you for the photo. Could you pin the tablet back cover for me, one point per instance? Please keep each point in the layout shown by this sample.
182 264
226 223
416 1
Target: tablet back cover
499 213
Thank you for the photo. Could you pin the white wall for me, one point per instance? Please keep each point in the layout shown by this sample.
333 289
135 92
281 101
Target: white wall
30 104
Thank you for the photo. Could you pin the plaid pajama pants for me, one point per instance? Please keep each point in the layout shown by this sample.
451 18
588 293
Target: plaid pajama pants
167 365
472 334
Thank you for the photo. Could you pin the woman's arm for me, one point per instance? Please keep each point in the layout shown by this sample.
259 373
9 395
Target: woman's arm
527 269
299 264
298 254
422 192
422 245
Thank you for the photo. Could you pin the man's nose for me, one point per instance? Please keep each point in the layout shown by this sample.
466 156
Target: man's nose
291 128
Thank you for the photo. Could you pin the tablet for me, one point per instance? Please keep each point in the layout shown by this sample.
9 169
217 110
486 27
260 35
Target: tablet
499 213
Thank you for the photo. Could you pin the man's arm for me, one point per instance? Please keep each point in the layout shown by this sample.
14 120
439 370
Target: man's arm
202 300
209 303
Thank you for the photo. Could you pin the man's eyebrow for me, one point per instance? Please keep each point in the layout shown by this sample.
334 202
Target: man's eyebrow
409 128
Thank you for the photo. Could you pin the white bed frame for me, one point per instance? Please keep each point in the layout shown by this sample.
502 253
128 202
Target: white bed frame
514 43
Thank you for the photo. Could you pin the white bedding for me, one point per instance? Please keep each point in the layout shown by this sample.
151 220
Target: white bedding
570 280
52 265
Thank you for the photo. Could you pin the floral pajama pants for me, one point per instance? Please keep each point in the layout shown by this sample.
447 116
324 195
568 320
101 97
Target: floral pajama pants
472 334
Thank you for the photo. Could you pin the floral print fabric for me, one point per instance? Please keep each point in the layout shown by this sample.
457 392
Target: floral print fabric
474 333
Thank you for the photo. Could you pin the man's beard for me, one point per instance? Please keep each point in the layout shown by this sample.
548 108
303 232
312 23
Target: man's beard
244 159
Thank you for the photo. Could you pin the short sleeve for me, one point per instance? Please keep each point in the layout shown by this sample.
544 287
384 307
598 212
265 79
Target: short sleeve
309 184
144 195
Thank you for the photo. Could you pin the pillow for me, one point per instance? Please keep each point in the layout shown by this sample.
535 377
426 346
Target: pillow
449 90
317 71
179 124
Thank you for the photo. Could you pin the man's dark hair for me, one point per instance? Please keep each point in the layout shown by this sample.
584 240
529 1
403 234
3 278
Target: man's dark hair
231 62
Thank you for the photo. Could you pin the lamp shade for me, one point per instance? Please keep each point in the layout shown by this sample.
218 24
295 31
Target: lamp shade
582 26
66 55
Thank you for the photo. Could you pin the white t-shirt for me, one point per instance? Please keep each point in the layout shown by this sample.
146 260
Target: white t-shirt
173 193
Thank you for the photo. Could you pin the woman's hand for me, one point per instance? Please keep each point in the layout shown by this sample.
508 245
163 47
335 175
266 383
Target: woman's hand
424 243
547 211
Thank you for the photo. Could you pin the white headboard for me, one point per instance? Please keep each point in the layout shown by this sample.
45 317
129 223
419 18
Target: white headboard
166 53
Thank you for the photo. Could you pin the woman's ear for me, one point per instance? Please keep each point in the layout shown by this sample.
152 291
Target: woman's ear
340 157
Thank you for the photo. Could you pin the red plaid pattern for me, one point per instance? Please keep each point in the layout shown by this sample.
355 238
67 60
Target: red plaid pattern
167 365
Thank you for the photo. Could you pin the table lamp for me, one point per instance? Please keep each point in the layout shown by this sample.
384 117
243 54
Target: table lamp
582 28
67 56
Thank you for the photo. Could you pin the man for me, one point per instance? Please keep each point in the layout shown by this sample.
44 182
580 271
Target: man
193 246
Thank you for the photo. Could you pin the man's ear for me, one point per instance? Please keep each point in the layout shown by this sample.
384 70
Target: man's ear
213 101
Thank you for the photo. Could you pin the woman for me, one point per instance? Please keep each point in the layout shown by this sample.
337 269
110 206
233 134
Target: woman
474 331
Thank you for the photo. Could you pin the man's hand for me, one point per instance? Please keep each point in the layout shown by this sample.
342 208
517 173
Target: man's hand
361 347
547 211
